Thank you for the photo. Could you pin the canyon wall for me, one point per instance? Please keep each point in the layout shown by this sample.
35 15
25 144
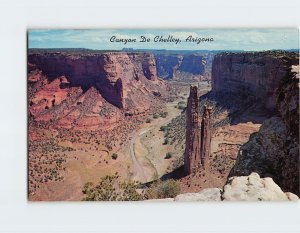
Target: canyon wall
274 150
168 64
273 78
194 64
92 88
259 72
110 73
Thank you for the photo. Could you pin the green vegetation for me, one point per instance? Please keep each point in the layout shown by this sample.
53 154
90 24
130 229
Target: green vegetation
114 156
166 141
163 114
110 188
148 120
163 128
181 105
168 155
163 189
155 116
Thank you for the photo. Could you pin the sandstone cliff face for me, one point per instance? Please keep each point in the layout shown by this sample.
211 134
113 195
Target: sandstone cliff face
192 154
194 64
259 72
274 150
198 133
149 67
110 73
115 82
167 64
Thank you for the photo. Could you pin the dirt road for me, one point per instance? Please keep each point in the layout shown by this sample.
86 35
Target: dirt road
144 157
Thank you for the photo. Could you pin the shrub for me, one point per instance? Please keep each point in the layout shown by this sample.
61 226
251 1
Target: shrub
148 120
163 128
110 188
163 114
155 116
181 107
166 141
168 155
163 189
114 156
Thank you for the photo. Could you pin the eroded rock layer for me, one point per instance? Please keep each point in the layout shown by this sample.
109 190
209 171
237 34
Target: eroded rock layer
198 133
168 64
92 89
274 150
260 73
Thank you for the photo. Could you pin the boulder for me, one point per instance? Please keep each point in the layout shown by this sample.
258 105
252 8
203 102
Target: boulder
254 188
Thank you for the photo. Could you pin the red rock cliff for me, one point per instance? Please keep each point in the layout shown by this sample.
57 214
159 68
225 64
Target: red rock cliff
92 90
274 150
193 143
259 72
111 73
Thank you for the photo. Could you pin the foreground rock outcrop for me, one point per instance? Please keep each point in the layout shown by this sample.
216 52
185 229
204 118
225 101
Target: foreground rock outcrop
241 188
254 188
210 194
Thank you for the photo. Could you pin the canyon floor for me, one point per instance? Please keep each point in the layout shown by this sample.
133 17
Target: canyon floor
143 155
140 158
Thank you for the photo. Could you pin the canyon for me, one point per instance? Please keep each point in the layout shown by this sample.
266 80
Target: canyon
169 65
251 121
151 116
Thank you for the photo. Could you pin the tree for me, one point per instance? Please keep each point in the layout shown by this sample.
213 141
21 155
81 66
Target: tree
114 156
110 188
155 116
163 128
163 114
168 155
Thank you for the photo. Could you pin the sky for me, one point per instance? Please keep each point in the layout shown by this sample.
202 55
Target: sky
216 39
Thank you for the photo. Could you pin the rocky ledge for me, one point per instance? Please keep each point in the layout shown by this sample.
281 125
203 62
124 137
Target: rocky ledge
240 188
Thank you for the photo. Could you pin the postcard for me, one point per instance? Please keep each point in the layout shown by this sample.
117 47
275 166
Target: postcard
163 114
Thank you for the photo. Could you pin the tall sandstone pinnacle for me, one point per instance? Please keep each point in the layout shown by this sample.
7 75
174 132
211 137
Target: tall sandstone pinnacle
193 143
206 134
198 133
